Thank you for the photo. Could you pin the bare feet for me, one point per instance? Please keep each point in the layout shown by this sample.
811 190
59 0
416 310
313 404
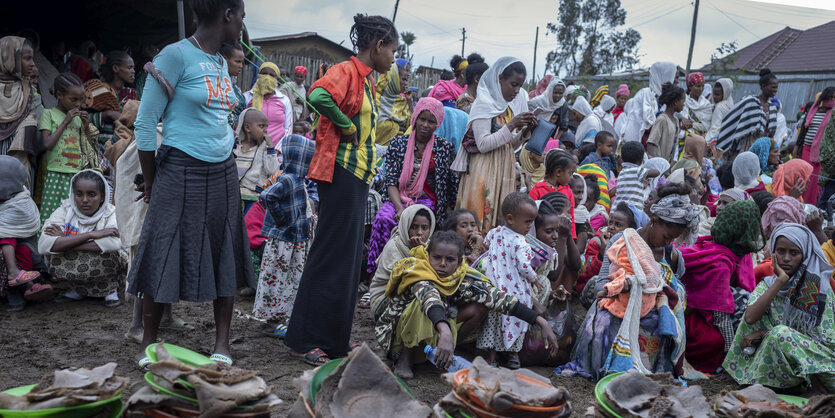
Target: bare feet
403 367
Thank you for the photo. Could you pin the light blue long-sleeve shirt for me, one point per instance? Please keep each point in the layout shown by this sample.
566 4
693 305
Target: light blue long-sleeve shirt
195 120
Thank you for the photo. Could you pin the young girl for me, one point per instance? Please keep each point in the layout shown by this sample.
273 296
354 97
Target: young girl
420 294
255 156
598 216
81 242
288 226
234 56
105 98
547 239
664 133
69 141
508 266
569 262
559 169
463 222
622 217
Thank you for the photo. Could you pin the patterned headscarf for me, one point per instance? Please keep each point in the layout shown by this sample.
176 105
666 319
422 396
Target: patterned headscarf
762 147
694 78
807 290
677 209
598 95
781 210
736 194
738 228
301 69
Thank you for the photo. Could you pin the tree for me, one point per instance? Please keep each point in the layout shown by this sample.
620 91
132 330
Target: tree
588 39
407 40
723 61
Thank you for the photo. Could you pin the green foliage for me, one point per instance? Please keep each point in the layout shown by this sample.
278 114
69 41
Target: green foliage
588 39
407 39
723 61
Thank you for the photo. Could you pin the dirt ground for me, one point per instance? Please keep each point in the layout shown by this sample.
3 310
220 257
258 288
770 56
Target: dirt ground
51 336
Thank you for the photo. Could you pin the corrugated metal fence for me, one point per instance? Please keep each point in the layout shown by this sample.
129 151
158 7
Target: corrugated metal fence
795 89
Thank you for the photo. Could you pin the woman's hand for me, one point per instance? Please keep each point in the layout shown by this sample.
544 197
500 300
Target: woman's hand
104 233
53 231
798 189
415 242
351 139
144 190
782 277
550 339
564 226
475 240
560 294
445 350
686 123
522 120
397 212
814 221
749 339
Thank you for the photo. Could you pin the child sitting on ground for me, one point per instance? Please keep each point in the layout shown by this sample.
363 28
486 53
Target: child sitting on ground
463 222
81 242
569 261
423 289
254 154
508 266
288 227
633 179
622 217
559 169
604 142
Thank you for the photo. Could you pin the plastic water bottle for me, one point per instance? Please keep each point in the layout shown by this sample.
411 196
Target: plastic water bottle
458 362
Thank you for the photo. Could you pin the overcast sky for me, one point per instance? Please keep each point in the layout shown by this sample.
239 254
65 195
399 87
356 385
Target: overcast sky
502 27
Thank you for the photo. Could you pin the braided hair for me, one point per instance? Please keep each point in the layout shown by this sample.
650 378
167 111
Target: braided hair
367 30
117 57
64 82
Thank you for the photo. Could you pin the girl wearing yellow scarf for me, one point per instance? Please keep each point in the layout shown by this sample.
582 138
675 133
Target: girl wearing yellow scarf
265 85
419 295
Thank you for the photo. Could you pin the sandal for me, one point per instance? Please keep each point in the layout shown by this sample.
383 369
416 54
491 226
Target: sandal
352 346
38 292
280 331
143 363
513 362
315 357
24 277
365 301
112 303
221 358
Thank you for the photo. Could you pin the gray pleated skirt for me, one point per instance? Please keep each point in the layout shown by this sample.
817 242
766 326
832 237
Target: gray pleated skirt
194 245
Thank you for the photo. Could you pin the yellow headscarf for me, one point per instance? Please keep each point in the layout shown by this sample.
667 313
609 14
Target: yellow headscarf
416 268
265 84
538 173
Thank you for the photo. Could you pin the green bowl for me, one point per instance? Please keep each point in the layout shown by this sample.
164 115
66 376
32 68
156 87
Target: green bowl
600 391
183 354
77 411
150 378
326 369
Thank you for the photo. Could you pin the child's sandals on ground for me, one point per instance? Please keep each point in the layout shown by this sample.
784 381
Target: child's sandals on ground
280 331
24 277
38 292
365 301
513 362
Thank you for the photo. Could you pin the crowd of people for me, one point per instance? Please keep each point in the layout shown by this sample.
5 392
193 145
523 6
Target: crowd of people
684 222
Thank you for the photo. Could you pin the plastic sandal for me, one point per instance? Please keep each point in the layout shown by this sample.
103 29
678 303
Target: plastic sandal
112 303
352 346
38 292
315 357
513 362
365 301
221 358
24 277
280 331
144 362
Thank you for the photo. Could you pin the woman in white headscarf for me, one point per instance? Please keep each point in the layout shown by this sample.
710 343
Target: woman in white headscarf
499 121
590 123
746 171
641 110
554 106
604 109
723 102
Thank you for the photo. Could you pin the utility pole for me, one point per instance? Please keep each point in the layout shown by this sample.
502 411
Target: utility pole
394 16
692 35
463 39
535 44
432 65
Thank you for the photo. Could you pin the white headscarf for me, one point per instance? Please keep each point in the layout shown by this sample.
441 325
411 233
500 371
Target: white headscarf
746 170
657 163
81 222
661 72
545 101
607 103
581 212
582 105
489 101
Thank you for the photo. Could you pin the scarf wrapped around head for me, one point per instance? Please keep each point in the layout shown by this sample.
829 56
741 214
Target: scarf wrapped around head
738 228
409 191
810 116
581 105
762 148
736 194
19 217
301 69
807 289
694 78
659 73
781 210
656 163
677 209
581 212
623 90
538 173
598 95
490 101
602 182
545 100
398 246
14 85
787 174
79 223
265 84
416 268
746 170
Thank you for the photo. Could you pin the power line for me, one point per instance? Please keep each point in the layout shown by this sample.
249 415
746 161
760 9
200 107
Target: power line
732 20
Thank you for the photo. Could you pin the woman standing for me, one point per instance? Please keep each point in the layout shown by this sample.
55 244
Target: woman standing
787 337
474 71
815 125
723 102
498 123
640 111
17 119
417 171
448 91
697 109
343 165
751 118
266 97
193 245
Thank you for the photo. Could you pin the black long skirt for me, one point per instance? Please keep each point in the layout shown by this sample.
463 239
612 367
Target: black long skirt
324 309
193 245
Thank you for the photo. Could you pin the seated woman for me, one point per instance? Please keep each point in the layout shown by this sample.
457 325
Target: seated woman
638 319
417 172
622 217
787 337
746 172
416 225
81 242
768 153
19 224
719 275
792 178
420 295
